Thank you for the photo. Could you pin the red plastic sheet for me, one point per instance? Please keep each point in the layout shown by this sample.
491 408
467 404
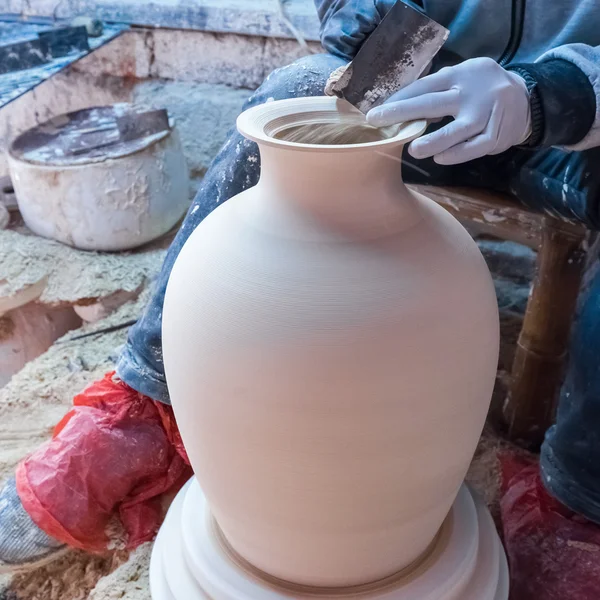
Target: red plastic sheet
102 475
554 554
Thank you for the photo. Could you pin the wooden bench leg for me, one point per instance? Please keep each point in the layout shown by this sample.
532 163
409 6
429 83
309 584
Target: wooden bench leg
538 366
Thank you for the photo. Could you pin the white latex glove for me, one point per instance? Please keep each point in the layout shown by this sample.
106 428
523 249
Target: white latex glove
490 107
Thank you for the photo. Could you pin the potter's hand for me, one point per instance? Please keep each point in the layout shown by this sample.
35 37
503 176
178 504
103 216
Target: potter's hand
490 107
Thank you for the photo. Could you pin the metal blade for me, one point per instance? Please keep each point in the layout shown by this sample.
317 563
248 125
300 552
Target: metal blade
393 56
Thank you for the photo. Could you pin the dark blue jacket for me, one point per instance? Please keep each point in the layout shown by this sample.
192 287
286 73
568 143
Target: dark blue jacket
556 41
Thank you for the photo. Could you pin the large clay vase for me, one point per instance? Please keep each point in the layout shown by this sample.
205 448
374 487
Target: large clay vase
330 344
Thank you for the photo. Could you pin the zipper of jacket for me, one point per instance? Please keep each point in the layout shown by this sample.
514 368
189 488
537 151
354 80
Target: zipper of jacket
516 33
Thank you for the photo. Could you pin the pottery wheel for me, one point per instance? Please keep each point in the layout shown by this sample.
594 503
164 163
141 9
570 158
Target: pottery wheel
192 561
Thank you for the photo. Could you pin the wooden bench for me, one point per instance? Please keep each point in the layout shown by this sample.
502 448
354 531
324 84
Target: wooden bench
538 366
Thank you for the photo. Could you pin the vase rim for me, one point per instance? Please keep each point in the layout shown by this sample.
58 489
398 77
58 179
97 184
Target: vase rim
263 122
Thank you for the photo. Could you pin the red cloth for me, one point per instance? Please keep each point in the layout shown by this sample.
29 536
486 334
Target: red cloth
554 554
109 461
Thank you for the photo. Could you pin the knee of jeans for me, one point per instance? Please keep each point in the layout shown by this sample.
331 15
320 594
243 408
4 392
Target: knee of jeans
305 77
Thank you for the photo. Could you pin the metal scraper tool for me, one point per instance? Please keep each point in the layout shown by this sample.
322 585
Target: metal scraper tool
394 55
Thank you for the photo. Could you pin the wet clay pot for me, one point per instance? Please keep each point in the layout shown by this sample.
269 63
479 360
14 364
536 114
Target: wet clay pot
330 343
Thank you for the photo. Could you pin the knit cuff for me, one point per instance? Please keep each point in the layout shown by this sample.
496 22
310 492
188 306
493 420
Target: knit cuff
535 104
563 102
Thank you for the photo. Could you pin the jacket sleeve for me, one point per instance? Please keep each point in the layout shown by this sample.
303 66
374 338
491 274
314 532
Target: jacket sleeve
566 85
587 60
346 24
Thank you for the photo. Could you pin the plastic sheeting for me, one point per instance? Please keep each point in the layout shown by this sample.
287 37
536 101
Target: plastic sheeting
100 481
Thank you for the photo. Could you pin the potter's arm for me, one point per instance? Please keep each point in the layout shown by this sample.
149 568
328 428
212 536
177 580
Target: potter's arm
567 81
346 24
551 102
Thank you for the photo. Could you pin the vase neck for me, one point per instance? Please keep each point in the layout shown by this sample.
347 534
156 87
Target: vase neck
358 194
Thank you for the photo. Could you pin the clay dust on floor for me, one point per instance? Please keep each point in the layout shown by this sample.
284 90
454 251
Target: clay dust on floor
72 275
484 474
78 576
71 578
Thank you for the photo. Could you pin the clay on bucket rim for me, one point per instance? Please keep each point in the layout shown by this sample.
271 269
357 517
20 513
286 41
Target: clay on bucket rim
262 123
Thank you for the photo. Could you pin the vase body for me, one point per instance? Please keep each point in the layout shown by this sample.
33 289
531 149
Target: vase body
330 343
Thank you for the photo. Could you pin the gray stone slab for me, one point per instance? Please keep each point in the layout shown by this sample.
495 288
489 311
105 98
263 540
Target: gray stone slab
249 17
16 83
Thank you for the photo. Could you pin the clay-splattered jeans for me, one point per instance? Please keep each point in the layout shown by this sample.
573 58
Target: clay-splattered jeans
551 180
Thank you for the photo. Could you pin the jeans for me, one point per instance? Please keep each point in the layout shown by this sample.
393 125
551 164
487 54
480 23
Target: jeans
550 180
